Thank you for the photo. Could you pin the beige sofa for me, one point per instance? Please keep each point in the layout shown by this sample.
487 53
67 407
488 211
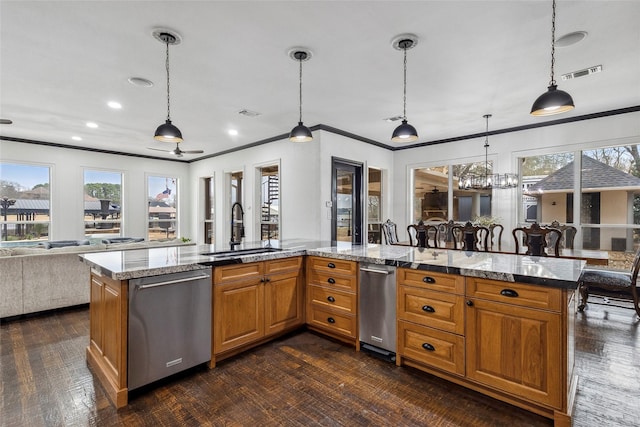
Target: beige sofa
34 279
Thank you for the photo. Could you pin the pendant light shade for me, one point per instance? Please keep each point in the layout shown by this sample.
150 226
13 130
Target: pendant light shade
405 132
553 101
300 133
167 132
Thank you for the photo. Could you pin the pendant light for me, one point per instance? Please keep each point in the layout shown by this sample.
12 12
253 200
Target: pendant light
300 133
405 132
553 101
167 132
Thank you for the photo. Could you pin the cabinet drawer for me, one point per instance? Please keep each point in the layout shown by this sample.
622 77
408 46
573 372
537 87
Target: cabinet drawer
343 324
333 266
332 298
434 309
321 278
515 293
229 273
431 280
281 265
435 348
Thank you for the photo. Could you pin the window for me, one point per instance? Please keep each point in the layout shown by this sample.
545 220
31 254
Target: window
102 204
162 202
209 210
374 206
269 202
236 231
430 194
24 203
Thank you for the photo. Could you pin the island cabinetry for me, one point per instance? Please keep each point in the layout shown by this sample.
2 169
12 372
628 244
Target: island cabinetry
430 313
332 299
517 340
254 301
107 350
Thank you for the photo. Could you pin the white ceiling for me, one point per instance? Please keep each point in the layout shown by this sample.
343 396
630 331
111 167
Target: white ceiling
62 61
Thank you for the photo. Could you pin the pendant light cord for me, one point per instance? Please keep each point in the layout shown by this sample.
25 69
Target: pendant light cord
404 92
486 152
167 66
553 43
300 103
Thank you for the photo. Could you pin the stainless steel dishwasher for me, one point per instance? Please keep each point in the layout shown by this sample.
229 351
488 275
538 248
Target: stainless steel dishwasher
169 325
377 310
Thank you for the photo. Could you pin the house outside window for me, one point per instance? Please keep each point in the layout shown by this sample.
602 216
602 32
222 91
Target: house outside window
162 202
102 204
25 199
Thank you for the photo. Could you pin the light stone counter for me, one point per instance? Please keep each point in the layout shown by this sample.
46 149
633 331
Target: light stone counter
546 271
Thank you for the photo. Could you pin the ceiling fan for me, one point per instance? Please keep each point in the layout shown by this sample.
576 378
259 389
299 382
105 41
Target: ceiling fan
177 151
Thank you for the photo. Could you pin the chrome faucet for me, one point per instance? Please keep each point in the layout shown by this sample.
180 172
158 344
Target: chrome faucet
233 243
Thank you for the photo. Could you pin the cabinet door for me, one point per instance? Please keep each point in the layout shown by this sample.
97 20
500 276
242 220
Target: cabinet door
283 302
239 314
96 315
517 350
115 316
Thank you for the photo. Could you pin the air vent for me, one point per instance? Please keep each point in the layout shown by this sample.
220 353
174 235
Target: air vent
393 119
582 73
249 113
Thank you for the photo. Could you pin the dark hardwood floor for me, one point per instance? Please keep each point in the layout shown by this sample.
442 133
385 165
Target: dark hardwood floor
300 380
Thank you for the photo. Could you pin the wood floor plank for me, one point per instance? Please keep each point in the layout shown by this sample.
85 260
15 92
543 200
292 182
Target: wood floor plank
302 379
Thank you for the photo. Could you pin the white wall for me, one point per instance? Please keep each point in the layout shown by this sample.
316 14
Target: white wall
67 185
305 183
504 151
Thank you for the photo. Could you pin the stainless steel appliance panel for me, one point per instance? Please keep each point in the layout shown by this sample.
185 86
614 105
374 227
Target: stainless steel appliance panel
377 308
169 325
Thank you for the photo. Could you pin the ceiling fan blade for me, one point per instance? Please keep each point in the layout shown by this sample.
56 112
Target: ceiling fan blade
160 149
192 151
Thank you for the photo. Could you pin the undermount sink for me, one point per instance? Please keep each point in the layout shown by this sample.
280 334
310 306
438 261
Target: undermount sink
240 252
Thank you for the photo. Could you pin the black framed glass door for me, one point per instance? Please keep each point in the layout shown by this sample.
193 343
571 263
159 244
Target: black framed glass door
346 194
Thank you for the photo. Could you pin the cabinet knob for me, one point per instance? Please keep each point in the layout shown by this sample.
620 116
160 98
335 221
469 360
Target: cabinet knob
428 309
331 320
427 279
428 347
331 299
509 293
266 279
470 303
331 280
331 265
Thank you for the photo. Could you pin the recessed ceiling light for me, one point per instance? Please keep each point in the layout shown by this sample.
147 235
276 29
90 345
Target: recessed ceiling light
76 138
139 81
571 38
232 132
115 105
92 125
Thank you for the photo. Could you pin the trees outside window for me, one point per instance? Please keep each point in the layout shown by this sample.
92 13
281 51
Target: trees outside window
102 204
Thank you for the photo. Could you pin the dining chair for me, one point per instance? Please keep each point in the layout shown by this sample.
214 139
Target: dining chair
610 283
536 238
390 232
470 237
421 234
568 234
495 237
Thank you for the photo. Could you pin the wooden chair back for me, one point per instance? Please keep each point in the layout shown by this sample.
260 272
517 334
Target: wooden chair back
390 232
536 238
495 237
420 235
568 235
471 237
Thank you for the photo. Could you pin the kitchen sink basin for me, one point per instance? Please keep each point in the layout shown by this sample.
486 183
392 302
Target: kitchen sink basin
240 252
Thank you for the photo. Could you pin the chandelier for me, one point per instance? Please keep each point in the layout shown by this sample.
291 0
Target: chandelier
487 180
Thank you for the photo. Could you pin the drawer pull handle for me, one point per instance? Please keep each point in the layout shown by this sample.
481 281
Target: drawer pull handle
331 280
331 265
331 320
428 309
427 279
470 303
331 299
509 293
428 347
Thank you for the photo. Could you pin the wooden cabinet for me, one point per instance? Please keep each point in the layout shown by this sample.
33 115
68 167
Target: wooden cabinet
512 341
254 301
107 351
332 299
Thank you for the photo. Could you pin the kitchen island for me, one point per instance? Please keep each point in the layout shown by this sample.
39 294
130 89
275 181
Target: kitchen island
503 324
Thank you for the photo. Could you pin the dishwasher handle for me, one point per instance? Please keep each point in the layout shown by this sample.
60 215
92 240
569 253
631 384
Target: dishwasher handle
170 282
373 270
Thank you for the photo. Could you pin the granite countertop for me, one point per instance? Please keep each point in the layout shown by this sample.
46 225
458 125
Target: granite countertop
547 271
